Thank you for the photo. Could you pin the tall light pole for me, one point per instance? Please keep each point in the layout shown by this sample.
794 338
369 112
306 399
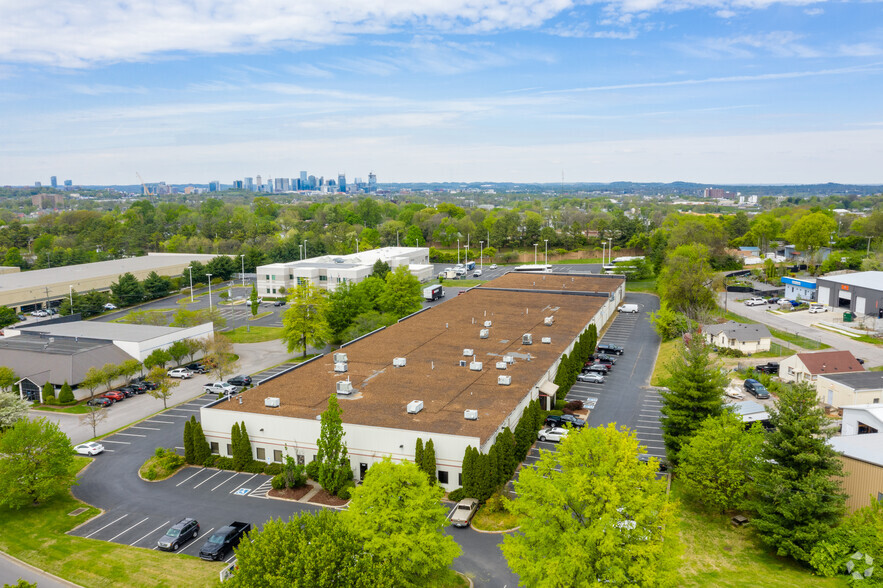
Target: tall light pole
547 251
191 282
209 276
467 249
458 251
242 257
71 290
300 250
305 248
610 250
397 238
481 254
535 253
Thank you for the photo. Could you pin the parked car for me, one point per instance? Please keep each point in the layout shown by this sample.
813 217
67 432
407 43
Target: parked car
110 306
463 512
279 303
51 311
115 396
223 540
591 378
99 401
179 534
493 266
816 307
604 358
598 368
139 387
629 308
755 302
197 368
773 300
221 388
756 388
128 391
241 381
90 448
770 367
564 419
182 373
476 273
148 385
663 463
39 313
610 349
552 434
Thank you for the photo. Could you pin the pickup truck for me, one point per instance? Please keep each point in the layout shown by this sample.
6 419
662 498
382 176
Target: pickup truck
771 367
222 388
223 540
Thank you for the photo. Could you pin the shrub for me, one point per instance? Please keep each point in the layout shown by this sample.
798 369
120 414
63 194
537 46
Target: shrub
555 413
278 482
273 469
150 474
254 467
66 395
211 461
496 503
560 404
224 463
457 495
313 469
159 452
50 400
346 492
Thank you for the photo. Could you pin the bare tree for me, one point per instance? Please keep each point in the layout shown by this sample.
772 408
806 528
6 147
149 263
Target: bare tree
93 418
220 357
164 384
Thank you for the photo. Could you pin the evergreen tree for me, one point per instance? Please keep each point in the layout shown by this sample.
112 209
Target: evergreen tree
127 290
48 393
418 453
188 440
798 494
695 392
493 467
201 449
246 455
66 395
334 465
234 447
506 453
468 473
429 462
156 286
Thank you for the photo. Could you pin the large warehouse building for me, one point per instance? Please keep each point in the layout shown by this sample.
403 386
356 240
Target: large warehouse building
24 291
456 373
861 292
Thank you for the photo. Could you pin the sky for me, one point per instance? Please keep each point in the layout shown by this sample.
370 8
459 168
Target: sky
708 91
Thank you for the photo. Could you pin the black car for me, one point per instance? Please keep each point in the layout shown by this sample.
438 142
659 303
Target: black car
770 367
138 387
756 388
610 349
129 391
148 385
180 533
564 419
100 401
197 368
598 368
241 381
279 303
773 300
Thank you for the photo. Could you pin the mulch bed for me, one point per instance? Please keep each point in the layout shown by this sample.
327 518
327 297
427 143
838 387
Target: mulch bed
322 497
291 493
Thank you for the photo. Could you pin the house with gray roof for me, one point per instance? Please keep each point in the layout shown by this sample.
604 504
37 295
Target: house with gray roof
747 338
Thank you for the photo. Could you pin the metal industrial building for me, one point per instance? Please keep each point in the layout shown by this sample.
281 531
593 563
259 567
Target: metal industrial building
456 373
23 291
861 292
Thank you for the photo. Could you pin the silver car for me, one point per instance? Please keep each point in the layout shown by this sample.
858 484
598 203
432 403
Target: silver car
463 512
552 434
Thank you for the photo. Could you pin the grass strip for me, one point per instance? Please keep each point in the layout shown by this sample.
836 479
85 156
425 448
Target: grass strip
667 351
798 340
501 520
255 335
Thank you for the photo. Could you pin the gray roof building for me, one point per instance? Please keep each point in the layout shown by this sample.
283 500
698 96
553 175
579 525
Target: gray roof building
738 331
860 292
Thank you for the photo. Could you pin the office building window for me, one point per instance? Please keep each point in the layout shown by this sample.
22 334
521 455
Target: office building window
290 276
277 455
274 290
262 454
268 290
323 278
442 477
266 277
272 277
229 450
215 448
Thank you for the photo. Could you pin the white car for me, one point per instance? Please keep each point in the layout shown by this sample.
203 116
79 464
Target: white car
591 377
476 273
182 373
755 302
221 388
815 308
90 448
40 313
552 434
110 306
493 266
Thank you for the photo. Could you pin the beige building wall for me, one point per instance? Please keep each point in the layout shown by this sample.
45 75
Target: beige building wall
9 269
721 340
862 482
838 394
791 369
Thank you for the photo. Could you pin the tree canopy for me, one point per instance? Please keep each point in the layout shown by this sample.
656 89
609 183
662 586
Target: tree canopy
37 463
304 322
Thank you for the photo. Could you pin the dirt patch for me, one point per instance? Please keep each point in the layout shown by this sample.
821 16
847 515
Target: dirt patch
323 497
291 493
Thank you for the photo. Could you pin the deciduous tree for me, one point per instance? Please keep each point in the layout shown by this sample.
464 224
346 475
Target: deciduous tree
812 231
12 409
334 465
157 358
178 350
305 323
684 282
93 379
94 417
7 316
402 295
596 514
220 357
7 378
164 384
37 463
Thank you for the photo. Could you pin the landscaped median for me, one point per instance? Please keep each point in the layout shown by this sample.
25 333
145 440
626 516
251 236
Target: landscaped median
38 536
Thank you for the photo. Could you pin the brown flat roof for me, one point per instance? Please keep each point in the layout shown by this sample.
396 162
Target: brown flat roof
432 343
559 282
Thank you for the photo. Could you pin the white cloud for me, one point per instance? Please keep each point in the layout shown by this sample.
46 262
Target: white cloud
584 30
814 11
307 70
776 43
861 50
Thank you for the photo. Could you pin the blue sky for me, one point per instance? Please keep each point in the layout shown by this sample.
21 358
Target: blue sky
712 91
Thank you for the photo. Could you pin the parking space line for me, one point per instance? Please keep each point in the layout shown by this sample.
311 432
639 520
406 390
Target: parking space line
106 526
160 422
149 533
176 416
243 484
224 482
197 472
146 428
119 442
130 434
184 410
207 479
129 529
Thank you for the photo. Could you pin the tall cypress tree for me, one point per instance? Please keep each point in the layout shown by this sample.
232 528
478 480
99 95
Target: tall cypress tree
334 465
234 446
48 393
695 392
245 453
201 449
66 394
468 473
798 496
493 458
188 440
418 453
429 462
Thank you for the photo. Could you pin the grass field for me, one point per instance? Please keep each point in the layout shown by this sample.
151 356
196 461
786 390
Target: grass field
80 408
798 340
37 536
255 335
648 286
667 351
776 350
497 521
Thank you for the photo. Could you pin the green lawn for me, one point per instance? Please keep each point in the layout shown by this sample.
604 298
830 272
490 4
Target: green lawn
776 350
798 340
497 521
666 352
260 315
37 536
75 409
255 335
648 286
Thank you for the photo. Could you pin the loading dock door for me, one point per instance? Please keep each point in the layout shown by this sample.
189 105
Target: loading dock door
824 295
859 305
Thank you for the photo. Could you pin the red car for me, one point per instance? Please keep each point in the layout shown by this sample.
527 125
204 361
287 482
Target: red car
115 396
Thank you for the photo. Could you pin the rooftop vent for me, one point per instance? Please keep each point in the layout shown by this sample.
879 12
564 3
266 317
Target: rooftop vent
546 340
487 324
504 380
527 339
470 415
501 365
549 321
468 352
415 406
399 362
344 387
340 367
475 366
271 402
508 359
462 363
340 358
484 333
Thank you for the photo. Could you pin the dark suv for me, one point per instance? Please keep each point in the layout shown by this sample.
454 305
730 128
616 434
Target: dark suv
756 388
610 349
564 419
180 533
241 381
197 368
600 368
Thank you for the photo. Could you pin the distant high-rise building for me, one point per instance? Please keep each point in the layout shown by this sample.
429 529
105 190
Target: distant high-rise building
283 185
718 194
312 182
257 181
38 184
214 186
249 184
68 183
237 184
303 180
54 181
341 182
372 182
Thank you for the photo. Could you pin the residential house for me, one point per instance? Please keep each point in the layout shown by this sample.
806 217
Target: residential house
807 367
750 338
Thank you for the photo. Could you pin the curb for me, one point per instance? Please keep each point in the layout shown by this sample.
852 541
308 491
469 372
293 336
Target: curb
40 572
503 532
468 579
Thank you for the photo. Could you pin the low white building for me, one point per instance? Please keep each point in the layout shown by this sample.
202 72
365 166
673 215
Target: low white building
851 388
807 367
747 338
329 271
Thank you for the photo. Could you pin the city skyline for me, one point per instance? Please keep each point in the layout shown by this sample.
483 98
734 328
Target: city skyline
717 92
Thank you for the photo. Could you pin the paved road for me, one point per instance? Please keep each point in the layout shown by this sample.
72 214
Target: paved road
11 570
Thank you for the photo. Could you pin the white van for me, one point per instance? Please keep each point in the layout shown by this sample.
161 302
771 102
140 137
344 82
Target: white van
633 308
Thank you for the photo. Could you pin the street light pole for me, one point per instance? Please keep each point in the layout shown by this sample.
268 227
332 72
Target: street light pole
71 290
547 251
610 250
458 251
300 251
242 257
397 238
535 253
305 248
191 282
481 255
209 276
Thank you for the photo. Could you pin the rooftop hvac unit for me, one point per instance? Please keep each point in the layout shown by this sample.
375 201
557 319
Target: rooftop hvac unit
415 406
468 353
462 363
340 367
484 333
504 380
501 365
271 402
399 362
548 321
344 387
475 366
340 358
470 415
487 323
508 359
546 339
527 339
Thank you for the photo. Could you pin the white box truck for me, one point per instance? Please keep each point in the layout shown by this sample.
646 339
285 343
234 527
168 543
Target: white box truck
435 292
